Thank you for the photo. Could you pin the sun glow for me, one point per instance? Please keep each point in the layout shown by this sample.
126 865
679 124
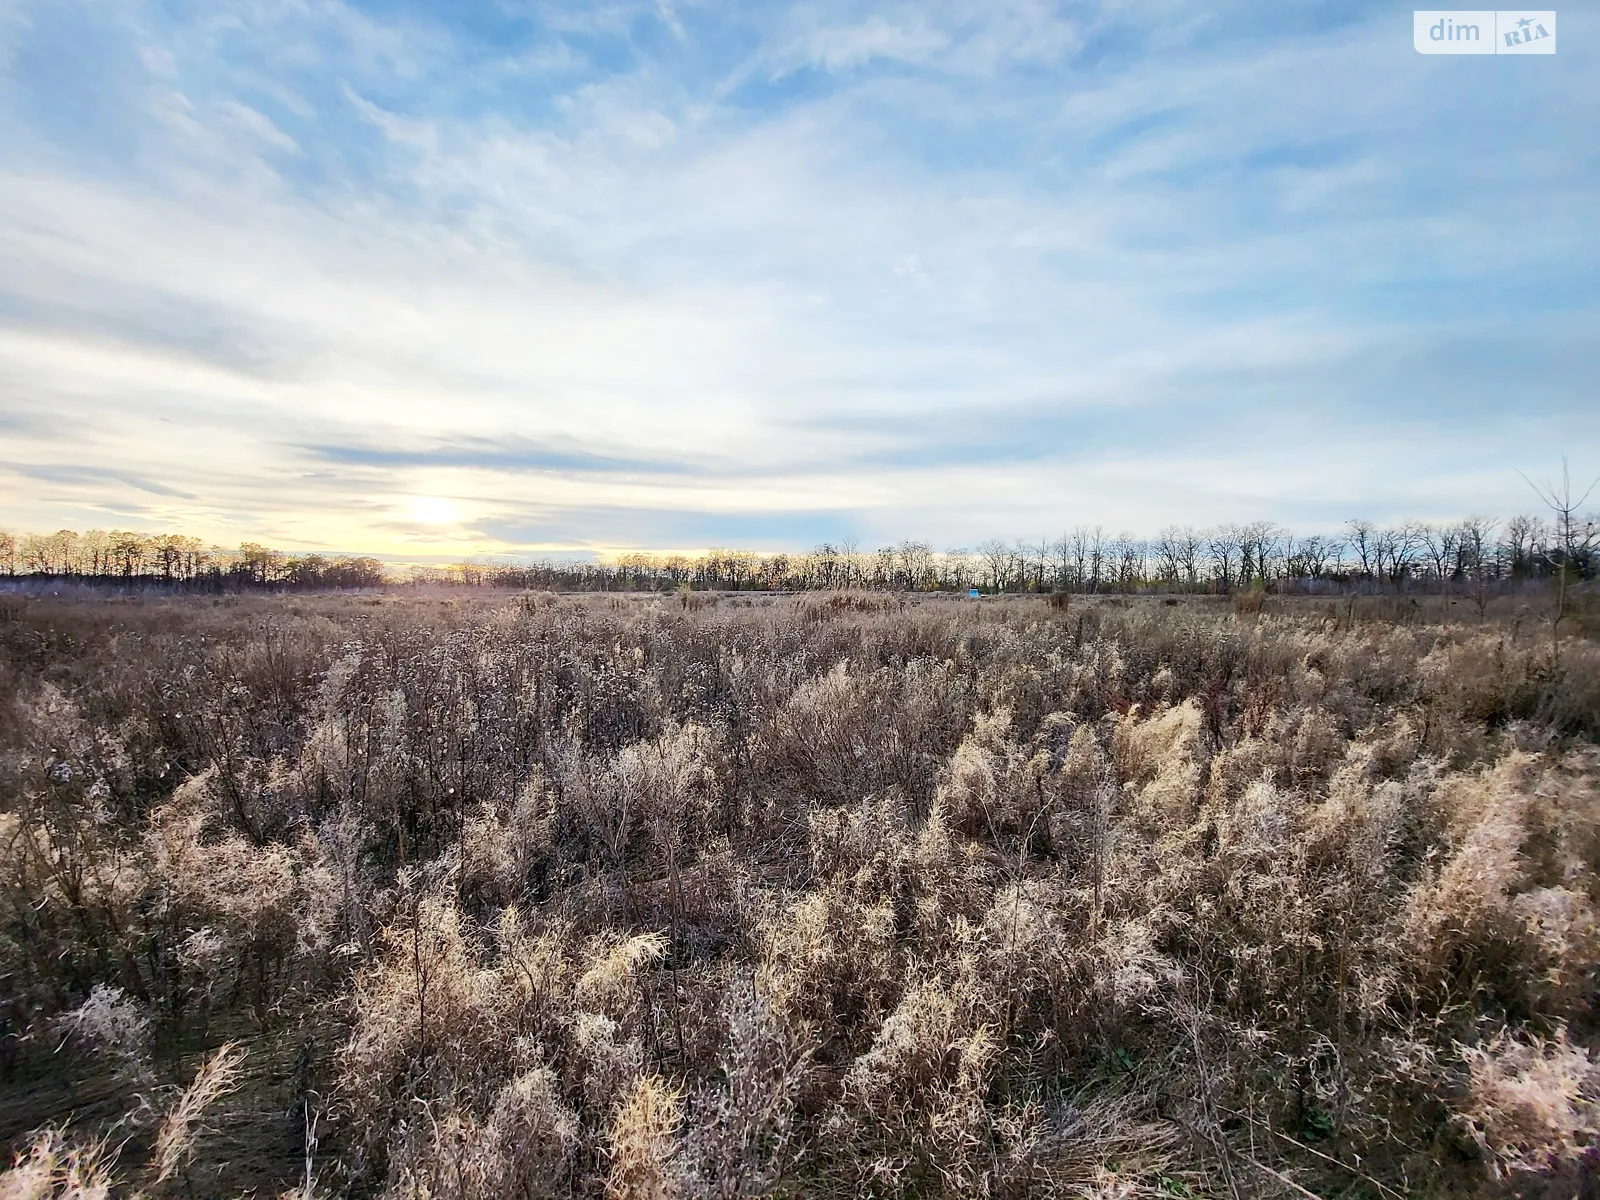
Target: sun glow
434 510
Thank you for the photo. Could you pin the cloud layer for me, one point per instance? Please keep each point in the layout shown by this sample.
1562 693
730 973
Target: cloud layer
674 275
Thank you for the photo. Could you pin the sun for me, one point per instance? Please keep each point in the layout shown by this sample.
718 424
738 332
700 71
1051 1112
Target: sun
434 510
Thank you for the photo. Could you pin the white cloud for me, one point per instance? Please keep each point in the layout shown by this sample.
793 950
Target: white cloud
844 48
421 135
259 126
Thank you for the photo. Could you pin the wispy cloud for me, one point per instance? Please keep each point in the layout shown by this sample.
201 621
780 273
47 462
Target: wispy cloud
91 476
495 454
842 48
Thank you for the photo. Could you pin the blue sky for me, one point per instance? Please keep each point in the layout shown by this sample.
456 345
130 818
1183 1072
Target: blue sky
509 276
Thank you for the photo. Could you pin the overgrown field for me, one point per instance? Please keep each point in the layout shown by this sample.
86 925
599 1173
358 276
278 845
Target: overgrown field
836 895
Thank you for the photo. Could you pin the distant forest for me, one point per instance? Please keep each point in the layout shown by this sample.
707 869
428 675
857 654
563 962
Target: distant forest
1478 554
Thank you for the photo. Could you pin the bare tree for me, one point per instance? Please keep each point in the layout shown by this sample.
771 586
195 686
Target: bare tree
1573 540
848 549
1226 545
916 563
53 553
92 553
1080 557
1169 554
1476 551
1190 545
1400 545
1178 551
1129 553
1363 540
1024 558
1097 549
1314 553
1256 543
959 569
1524 539
997 559
1574 536
824 565
1440 542
1285 553
1062 549
128 552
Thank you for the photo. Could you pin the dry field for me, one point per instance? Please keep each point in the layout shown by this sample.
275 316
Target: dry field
830 895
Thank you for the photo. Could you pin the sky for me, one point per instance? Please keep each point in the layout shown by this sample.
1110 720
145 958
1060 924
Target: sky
513 277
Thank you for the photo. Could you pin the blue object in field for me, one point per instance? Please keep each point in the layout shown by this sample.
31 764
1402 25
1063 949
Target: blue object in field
972 593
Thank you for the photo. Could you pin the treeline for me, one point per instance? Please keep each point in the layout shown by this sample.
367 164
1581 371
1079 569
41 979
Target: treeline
1478 553
179 560
1475 555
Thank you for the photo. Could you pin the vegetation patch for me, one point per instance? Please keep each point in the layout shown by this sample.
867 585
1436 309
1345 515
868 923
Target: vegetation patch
844 894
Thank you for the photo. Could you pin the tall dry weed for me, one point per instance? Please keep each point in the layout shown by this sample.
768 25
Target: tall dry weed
176 1140
642 1142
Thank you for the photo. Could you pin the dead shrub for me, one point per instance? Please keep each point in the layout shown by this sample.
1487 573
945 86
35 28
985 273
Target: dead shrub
739 1131
642 1142
1250 603
1532 1105
53 1167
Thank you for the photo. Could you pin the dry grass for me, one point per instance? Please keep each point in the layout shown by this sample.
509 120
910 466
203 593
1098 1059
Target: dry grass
52 1168
836 895
176 1140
